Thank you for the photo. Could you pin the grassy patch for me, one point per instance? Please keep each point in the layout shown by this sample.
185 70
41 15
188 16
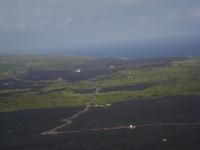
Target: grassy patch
180 78
18 64
51 100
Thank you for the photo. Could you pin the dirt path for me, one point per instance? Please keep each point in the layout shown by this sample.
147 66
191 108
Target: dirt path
69 121
130 127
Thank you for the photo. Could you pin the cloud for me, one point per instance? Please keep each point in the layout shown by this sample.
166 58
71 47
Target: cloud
43 23
34 24
66 22
90 21
194 13
2 23
113 2
189 15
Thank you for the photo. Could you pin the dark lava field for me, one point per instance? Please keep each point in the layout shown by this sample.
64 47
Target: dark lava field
91 69
22 130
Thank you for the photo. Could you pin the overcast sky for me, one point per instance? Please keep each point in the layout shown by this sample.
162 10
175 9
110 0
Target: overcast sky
42 24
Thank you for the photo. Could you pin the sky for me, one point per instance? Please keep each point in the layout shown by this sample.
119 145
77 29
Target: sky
49 24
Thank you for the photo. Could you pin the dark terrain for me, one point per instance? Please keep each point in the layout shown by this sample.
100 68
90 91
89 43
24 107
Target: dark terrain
22 130
165 122
95 68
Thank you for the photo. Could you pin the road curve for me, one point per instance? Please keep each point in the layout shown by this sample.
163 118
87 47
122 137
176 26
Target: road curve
68 121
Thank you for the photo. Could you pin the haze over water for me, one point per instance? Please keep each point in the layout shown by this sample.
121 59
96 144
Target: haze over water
134 28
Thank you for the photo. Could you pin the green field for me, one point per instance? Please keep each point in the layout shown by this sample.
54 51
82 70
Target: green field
18 64
179 78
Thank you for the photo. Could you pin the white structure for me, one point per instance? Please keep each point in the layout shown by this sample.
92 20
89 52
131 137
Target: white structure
132 126
78 70
112 67
164 140
107 104
123 58
190 57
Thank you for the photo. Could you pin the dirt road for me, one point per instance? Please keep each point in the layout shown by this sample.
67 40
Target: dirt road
68 121
131 128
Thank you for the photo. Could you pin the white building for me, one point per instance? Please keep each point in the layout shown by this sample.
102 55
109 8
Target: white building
78 70
132 126
112 67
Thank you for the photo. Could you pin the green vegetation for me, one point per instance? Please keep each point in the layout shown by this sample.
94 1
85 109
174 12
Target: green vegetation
155 91
179 78
56 85
18 64
175 72
50 100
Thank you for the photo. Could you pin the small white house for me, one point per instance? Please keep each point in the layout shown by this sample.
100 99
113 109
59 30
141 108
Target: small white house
112 67
78 70
190 57
164 140
60 79
123 58
107 104
132 126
